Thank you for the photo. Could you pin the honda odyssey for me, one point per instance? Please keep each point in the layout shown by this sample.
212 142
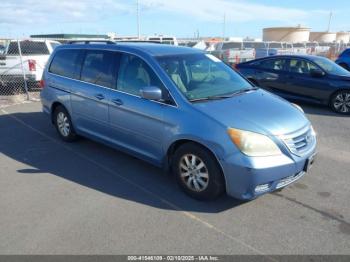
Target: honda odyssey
181 109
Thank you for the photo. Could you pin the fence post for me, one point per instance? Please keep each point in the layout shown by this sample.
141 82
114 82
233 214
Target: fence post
23 70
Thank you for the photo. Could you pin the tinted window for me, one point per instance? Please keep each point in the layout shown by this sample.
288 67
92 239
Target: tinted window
300 66
65 63
253 44
28 48
273 64
329 66
98 68
134 74
230 45
299 45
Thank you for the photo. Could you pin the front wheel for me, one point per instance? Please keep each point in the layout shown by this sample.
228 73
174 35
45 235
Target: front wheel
340 102
197 172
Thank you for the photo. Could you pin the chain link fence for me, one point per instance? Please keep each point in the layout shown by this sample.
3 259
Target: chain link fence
22 63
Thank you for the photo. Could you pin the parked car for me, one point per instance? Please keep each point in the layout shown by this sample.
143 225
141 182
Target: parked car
308 78
300 49
273 48
228 52
234 52
168 40
35 54
181 109
344 59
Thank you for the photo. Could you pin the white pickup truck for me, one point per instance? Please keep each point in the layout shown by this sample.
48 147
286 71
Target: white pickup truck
29 60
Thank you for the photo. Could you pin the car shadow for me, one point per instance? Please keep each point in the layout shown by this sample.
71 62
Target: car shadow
32 140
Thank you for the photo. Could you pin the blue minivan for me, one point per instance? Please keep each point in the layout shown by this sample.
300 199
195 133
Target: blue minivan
181 109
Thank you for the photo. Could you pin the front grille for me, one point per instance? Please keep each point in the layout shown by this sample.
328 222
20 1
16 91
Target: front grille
300 142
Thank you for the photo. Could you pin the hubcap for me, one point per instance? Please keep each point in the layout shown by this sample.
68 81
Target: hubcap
194 172
342 102
63 124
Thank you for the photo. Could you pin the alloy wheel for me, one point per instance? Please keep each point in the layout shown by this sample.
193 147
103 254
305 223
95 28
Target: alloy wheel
341 102
63 124
194 172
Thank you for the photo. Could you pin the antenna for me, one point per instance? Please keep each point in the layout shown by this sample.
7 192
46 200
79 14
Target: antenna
138 18
329 21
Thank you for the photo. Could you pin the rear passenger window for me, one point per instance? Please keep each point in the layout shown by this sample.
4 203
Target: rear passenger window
273 64
98 68
65 63
135 74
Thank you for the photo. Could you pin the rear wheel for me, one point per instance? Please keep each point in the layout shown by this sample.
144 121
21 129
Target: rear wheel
64 125
340 102
197 172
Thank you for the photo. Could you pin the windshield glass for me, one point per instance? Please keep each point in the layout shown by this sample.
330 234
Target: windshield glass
330 67
202 76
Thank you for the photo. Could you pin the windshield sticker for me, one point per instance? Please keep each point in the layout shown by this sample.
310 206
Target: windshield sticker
213 58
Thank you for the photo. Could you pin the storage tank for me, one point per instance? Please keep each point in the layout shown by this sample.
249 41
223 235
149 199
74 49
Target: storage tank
286 34
322 37
343 37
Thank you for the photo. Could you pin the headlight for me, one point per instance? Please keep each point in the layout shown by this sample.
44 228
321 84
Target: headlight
253 144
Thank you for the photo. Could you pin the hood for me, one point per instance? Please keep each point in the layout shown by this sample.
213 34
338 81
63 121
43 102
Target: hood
257 111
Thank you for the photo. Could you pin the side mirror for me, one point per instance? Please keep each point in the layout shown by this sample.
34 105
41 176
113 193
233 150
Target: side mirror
151 93
317 73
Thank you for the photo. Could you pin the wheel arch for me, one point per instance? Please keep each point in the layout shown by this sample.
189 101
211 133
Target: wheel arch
178 143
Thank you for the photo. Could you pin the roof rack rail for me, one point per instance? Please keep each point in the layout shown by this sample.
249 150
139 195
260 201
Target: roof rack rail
108 42
138 41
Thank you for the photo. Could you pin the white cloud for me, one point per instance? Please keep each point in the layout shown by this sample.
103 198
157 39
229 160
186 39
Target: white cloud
235 10
53 11
67 11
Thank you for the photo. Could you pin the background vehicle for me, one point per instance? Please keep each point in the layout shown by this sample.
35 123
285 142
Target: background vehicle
35 54
181 108
344 59
235 52
273 48
308 78
228 52
167 40
300 49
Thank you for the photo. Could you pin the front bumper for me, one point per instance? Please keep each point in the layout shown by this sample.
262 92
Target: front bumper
249 177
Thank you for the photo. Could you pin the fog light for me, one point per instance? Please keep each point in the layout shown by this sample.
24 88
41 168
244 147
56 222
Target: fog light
262 188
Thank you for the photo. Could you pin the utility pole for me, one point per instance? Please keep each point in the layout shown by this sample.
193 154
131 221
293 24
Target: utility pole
329 21
138 19
224 28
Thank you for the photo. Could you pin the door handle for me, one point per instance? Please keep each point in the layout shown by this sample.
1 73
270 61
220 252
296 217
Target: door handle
117 101
100 96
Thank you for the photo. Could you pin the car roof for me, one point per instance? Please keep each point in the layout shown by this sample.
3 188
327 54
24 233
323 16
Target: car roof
149 48
308 57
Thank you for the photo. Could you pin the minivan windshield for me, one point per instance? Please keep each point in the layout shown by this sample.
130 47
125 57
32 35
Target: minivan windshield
203 76
330 67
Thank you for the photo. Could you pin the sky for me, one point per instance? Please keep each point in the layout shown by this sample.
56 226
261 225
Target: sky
181 18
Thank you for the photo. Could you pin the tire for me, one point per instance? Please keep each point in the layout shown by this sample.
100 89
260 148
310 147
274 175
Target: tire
63 124
340 102
206 182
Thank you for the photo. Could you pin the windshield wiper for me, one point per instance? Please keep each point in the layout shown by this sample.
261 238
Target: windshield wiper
224 96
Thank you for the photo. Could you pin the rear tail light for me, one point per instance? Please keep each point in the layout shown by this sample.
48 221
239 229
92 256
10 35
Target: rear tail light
42 83
32 65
